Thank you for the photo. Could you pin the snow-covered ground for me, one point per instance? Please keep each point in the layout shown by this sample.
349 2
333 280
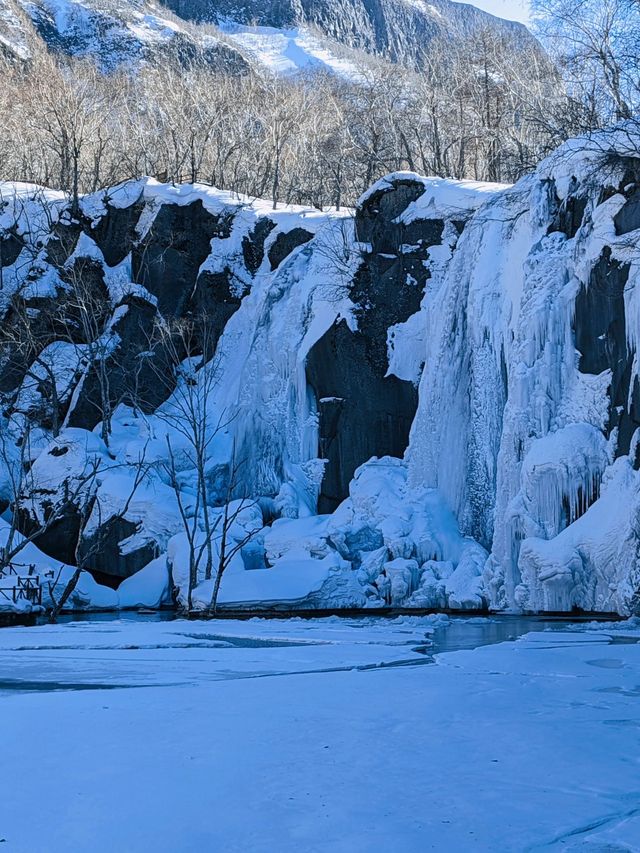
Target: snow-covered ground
327 735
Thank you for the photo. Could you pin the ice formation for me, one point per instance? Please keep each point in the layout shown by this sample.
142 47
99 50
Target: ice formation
531 340
450 375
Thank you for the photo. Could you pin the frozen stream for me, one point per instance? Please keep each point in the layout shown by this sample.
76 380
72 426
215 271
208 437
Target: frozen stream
42 664
315 736
48 661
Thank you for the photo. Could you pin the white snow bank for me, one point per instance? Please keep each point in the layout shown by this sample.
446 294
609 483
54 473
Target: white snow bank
150 587
443 198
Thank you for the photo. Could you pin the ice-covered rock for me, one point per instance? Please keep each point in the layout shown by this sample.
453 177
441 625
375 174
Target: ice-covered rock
530 389
456 389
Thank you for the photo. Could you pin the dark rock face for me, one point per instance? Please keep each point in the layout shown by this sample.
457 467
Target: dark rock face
59 540
628 217
104 558
362 411
570 213
600 330
50 318
285 243
389 286
375 218
115 233
100 554
167 263
10 248
253 244
168 260
362 414
217 297
128 377
64 493
64 239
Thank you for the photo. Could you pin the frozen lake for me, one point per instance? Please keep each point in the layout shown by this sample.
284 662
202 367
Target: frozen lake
341 735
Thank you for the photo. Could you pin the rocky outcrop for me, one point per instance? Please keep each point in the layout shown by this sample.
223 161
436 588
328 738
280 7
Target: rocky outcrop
285 243
168 259
102 551
363 410
131 378
602 340
115 231
362 413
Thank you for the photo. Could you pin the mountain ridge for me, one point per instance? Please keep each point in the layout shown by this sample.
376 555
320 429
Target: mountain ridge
120 33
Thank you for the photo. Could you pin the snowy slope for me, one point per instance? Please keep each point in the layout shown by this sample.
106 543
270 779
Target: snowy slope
288 51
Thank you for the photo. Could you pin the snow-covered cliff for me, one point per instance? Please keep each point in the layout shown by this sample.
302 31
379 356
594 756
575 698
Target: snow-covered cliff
449 376
532 339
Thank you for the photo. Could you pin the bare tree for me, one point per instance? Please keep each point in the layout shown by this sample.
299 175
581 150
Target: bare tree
227 549
77 493
189 367
597 43
69 119
85 551
483 107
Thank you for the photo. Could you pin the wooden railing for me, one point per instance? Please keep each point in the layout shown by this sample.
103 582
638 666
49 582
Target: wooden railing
26 588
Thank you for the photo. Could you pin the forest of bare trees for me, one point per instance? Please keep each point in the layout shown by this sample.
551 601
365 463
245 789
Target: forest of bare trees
482 109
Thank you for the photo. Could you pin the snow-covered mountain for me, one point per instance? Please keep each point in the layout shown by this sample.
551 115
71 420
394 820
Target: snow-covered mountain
399 30
450 377
282 37
115 33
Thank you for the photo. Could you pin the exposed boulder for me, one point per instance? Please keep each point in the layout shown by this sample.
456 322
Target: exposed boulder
103 551
168 259
285 243
58 493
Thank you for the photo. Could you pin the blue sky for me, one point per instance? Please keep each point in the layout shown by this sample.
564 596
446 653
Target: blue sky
515 10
